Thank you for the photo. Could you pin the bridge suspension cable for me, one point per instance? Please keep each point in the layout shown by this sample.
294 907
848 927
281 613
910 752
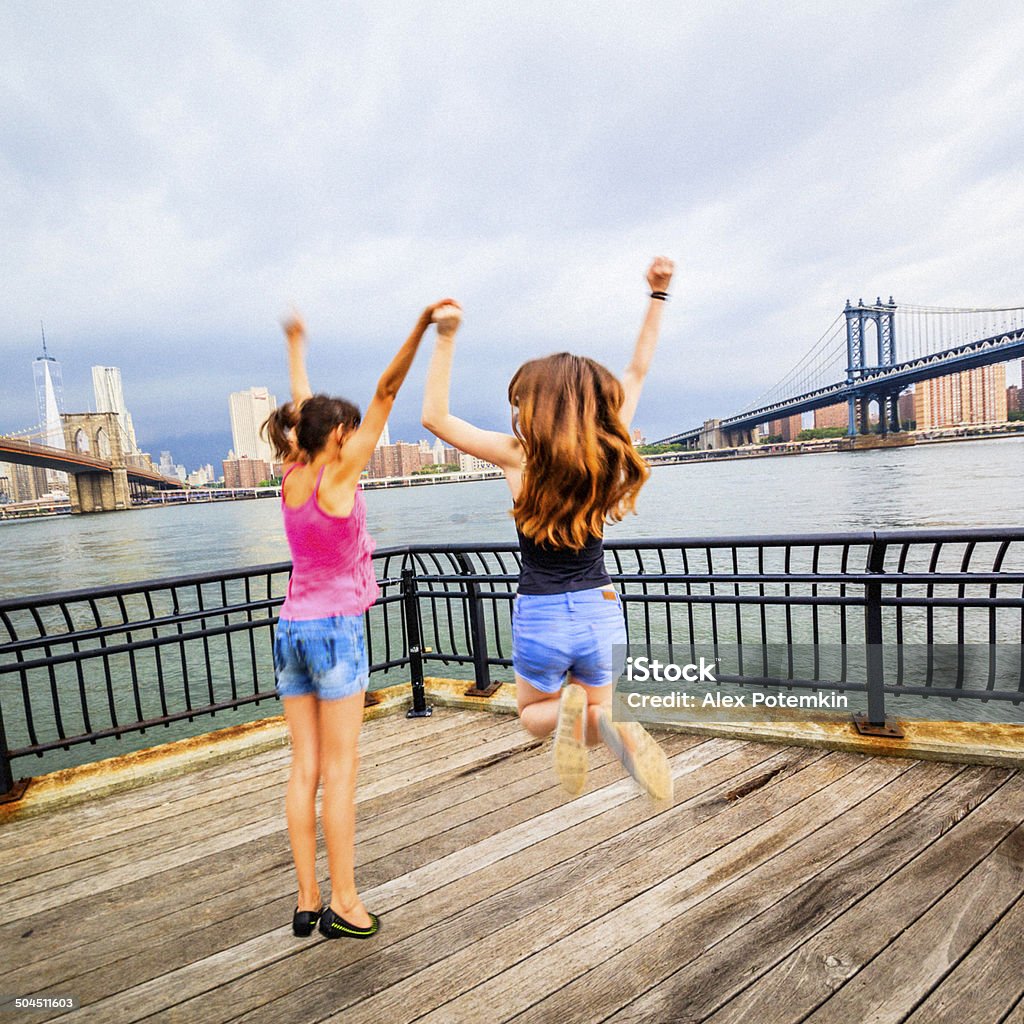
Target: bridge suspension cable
813 371
919 331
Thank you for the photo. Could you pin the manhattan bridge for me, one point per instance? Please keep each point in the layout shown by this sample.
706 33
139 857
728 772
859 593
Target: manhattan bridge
866 357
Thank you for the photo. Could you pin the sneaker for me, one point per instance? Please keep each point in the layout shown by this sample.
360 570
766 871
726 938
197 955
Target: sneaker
570 749
640 755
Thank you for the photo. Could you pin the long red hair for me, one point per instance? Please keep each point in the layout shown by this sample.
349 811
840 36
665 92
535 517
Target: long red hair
581 469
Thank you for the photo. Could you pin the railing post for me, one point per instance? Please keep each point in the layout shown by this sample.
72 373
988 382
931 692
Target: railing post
483 687
411 616
6 775
874 723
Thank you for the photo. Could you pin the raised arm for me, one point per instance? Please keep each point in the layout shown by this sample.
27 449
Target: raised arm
659 275
503 450
359 447
295 332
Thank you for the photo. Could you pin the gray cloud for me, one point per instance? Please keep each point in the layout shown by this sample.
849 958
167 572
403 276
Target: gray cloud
170 178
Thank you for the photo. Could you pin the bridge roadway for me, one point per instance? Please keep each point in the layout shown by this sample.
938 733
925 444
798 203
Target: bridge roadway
982 352
784 884
24 453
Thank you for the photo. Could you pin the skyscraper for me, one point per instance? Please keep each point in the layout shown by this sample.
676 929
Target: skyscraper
106 386
249 409
49 398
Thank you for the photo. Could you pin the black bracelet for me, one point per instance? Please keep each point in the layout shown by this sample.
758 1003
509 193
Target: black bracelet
659 295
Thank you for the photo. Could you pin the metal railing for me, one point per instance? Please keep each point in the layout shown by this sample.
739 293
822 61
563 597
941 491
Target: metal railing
882 614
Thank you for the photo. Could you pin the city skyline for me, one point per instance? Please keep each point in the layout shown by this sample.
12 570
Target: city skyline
163 226
215 447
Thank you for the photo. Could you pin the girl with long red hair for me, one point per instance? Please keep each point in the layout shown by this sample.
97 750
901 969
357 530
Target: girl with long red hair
571 467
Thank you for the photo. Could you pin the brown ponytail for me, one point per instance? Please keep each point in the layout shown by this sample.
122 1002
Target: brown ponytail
303 430
279 430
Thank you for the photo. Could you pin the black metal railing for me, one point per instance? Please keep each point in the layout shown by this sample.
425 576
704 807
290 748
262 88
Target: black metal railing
918 614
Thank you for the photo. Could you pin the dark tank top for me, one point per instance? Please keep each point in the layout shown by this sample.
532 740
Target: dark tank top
561 570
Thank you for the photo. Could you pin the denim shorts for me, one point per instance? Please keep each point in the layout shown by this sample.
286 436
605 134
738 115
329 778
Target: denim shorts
557 634
324 657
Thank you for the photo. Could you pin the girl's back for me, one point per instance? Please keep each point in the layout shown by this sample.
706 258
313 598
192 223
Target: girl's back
331 569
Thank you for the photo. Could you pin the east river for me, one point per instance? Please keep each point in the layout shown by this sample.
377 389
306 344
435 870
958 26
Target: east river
975 483
964 484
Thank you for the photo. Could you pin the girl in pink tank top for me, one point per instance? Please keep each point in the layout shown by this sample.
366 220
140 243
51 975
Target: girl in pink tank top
320 645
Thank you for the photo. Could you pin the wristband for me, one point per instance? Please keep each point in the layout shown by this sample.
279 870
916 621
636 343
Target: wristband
659 295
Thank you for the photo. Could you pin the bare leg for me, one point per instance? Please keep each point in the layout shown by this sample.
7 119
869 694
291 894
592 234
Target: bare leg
598 698
538 709
300 802
340 721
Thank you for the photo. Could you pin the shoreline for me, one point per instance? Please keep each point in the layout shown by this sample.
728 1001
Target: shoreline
767 451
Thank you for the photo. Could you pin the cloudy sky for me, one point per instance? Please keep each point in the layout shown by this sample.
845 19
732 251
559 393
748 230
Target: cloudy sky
172 176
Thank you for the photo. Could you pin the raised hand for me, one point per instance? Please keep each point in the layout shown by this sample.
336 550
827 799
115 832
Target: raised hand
447 315
294 328
659 275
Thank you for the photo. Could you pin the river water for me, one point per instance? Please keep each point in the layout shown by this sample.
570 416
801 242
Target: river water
976 483
965 484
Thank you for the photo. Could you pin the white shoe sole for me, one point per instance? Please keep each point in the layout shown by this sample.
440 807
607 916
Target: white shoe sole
570 753
647 763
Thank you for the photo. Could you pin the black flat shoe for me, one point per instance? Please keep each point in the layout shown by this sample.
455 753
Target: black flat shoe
334 926
304 921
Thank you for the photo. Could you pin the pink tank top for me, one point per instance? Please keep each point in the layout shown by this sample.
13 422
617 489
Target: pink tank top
332 567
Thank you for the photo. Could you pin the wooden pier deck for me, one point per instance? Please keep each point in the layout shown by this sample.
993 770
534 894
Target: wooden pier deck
784 884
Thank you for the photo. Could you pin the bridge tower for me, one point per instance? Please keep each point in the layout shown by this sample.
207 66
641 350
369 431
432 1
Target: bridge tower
883 316
99 434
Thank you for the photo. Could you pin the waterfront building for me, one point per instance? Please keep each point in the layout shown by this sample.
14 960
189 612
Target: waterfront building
832 416
788 428
109 395
166 467
398 459
971 396
471 464
906 407
22 483
444 454
249 410
1012 399
242 471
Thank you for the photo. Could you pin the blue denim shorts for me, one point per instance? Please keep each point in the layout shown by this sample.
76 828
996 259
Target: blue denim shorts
324 657
557 634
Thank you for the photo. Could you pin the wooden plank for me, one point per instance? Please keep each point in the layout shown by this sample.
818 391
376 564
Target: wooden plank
1016 1015
588 858
118 810
689 966
809 975
987 983
630 910
513 796
62 867
19 906
483 787
205 976
145 901
893 983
